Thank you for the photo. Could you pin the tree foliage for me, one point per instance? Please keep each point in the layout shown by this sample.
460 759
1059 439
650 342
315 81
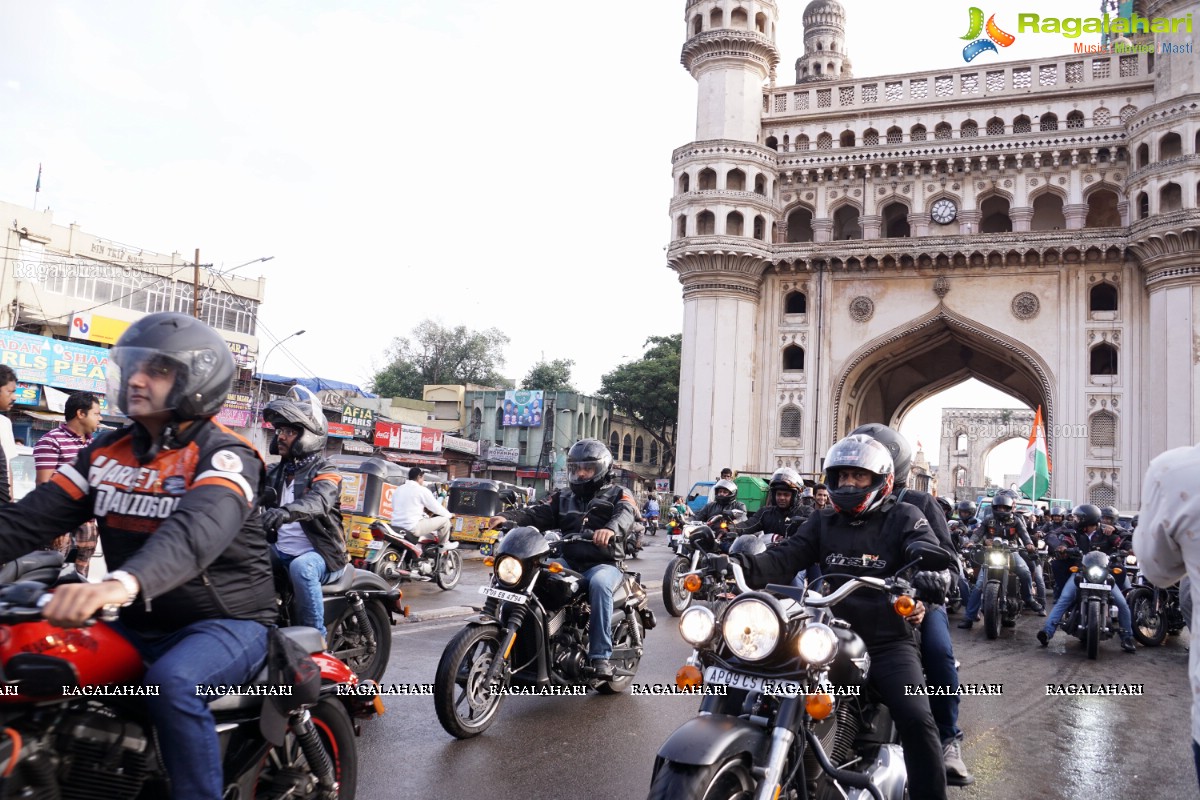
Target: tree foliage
648 391
550 376
437 354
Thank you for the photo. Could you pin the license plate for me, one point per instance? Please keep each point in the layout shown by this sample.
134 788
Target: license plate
1104 587
375 545
500 594
734 679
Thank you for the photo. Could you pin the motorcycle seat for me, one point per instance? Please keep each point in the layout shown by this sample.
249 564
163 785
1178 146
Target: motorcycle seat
341 585
309 639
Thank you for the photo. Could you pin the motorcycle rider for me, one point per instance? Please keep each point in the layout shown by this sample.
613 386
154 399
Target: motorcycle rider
937 649
773 519
1059 537
966 513
1089 536
947 509
651 509
410 502
610 511
724 502
866 533
305 525
1002 524
172 493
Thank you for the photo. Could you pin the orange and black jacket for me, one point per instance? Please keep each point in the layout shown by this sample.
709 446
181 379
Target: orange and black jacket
317 507
180 523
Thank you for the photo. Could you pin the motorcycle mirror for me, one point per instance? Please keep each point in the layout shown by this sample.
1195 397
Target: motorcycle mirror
932 556
737 515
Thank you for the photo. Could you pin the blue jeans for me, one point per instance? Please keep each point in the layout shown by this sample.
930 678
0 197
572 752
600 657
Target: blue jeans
1196 751
1023 578
1070 591
206 653
602 580
937 654
307 573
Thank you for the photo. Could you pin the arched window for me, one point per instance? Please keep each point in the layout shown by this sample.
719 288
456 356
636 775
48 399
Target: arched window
1170 146
1170 198
716 19
1143 155
846 139
499 435
772 143
1102 429
739 19
895 221
1101 117
917 134
1048 122
614 445
1103 360
697 24
943 131
1048 213
799 225
706 224
639 451
760 228
995 127
760 184
795 303
681 227
685 183
1102 210
802 142
476 422
969 129
627 448
870 137
1022 124
895 135
793 358
825 142
1103 297
1075 120
845 224
1143 205
760 22
960 443
708 179
654 452
734 224
789 423
735 180
994 215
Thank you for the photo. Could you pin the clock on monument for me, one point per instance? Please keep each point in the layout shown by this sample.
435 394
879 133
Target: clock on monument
943 211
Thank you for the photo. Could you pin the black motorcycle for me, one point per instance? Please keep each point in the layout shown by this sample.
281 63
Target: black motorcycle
795 718
533 632
1155 612
1093 616
691 554
1002 592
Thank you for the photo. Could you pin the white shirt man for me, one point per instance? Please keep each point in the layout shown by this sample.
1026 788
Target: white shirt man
411 500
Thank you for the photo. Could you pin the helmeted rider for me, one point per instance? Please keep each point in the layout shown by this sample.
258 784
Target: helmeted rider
1002 524
784 504
1059 537
966 513
724 502
609 511
304 525
1088 537
866 532
172 494
1111 518
947 508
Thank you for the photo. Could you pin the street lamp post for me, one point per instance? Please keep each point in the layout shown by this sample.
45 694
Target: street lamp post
258 395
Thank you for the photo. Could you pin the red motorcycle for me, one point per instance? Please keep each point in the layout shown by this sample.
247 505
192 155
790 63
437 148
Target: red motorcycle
73 726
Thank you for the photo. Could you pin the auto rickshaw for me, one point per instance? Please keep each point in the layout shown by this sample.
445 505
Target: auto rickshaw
474 501
367 486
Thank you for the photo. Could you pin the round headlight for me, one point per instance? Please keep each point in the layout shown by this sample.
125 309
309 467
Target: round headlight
1095 574
696 626
751 629
997 559
1131 560
509 570
818 645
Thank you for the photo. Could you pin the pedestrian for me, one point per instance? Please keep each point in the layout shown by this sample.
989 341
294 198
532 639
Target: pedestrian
1167 546
8 445
61 446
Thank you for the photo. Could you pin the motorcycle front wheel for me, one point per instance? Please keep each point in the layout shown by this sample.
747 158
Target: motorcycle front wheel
675 597
730 779
991 609
465 706
1094 611
285 772
449 570
347 642
1149 625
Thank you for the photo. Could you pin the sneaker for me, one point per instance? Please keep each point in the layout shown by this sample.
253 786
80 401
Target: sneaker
957 773
1035 606
1043 637
966 624
1127 645
602 668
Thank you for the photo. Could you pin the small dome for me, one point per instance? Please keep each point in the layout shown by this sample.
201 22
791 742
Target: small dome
826 7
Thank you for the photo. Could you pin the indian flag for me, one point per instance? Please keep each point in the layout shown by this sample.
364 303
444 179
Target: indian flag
1035 474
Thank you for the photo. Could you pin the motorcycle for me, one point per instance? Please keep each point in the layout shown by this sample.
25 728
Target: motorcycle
533 632
1001 593
1156 612
792 721
652 524
691 552
69 732
1093 617
399 555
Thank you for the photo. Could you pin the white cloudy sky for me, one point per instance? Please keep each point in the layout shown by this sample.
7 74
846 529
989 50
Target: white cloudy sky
478 162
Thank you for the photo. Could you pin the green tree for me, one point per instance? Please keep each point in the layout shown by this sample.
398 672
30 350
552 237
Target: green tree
550 376
648 391
436 354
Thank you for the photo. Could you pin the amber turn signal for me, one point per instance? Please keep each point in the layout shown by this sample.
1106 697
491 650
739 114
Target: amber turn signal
489 562
1075 569
819 706
692 583
688 676
904 605
554 567
1117 570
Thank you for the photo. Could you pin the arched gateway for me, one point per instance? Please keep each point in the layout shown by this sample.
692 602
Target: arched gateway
935 235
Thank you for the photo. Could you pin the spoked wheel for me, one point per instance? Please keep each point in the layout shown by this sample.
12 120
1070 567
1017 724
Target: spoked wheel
347 642
675 597
388 566
1149 625
449 569
285 771
622 638
465 706
730 779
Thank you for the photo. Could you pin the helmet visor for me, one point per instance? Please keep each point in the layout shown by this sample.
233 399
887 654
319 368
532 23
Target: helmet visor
583 471
160 369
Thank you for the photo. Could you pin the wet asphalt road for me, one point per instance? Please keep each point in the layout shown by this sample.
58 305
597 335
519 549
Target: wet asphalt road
1020 745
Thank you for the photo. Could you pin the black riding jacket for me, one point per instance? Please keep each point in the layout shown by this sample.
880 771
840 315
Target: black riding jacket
770 519
317 489
568 512
1011 531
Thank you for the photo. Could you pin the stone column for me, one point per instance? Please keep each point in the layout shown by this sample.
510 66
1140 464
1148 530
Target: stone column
871 226
822 230
1021 218
1076 215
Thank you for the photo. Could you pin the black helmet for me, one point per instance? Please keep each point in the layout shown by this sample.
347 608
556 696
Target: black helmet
1002 506
1057 511
896 444
301 409
729 486
197 354
1086 515
588 453
858 451
966 509
947 509
1108 512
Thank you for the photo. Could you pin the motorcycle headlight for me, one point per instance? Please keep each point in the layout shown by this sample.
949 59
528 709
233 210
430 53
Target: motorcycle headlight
818 645
997 559
1131 560
509 570
751 629
1095 574
696 626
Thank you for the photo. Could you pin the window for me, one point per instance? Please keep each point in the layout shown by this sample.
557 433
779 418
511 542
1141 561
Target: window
627 448
735 180
476 422
1170 146
917 134
734 223
499 434
895 221
870 137
845 224
1075 120
1103 297
1102 210
942 131
653 452
1143 155
793 358
1143 205
760 185
995 127
706 224
1170 198
1103 359
994 216
1102 495
969 129
1048 213
1102 429
681 228
1022 124
846 139
799 225
895 135
760 228
960 443
708 180
795 303
639 451
614 445
1048 122
789 423
685 183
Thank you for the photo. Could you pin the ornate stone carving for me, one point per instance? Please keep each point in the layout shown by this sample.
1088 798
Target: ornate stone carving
941 286
1026 305
861 308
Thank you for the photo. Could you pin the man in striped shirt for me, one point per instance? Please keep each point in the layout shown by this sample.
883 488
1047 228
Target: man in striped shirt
61 446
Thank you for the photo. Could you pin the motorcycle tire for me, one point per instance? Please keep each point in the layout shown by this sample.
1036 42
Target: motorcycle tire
464 706
675 597
347 643
336 732
726 780
991 610
621 638
1149 627
1095 623
449 570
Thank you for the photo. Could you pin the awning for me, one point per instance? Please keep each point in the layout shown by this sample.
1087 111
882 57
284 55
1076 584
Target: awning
532 473
413 459
48 416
